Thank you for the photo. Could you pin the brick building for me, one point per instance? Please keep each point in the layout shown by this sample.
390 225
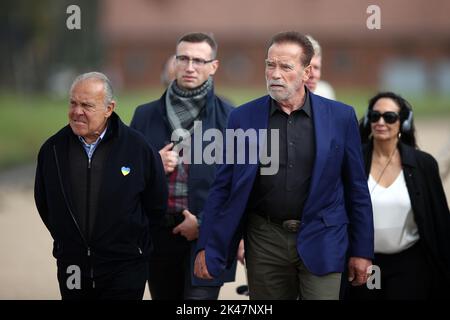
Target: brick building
412 48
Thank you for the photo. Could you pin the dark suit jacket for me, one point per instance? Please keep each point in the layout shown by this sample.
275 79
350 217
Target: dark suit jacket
337 212
430 209
151 120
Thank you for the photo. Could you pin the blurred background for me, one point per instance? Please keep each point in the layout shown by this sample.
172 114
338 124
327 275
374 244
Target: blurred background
131 40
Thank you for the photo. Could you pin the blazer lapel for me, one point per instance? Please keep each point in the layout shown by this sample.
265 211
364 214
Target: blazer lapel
260 121
322 123
256 119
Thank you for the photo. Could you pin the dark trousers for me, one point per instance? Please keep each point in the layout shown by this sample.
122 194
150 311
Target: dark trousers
126 281
404 276
170 271
275 270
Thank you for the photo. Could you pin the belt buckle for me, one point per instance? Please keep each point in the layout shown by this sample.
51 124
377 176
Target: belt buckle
291 225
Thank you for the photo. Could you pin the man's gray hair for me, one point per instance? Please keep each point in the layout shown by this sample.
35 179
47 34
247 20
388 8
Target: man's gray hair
109 95
316 45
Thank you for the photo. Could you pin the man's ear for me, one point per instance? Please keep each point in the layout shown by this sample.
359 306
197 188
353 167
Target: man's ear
110 108
307 73
214 67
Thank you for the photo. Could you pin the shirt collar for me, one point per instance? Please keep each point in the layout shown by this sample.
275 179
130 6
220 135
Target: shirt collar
306 107
96 141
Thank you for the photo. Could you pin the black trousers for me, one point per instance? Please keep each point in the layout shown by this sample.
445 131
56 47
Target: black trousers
170 271
126 281
404 276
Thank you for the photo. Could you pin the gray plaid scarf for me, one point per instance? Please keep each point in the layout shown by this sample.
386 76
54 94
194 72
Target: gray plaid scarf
183 107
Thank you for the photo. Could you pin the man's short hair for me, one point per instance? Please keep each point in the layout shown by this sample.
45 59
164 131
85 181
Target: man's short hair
297 38
109 94
316 45
197 37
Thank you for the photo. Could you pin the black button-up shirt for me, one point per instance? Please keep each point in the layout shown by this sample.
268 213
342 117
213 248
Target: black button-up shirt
283 195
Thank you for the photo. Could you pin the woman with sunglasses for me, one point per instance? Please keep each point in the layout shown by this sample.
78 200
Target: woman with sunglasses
410 211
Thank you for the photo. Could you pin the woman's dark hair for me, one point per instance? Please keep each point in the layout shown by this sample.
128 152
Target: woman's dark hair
407 136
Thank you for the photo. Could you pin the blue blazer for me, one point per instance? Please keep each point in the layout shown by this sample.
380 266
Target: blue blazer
151 120
337 217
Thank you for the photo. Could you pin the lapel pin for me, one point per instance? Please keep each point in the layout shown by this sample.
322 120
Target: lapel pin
125 170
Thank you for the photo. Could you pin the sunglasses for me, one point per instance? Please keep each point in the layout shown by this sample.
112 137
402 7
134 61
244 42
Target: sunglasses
389 117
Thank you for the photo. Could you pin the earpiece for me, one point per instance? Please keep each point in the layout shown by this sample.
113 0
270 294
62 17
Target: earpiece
407 124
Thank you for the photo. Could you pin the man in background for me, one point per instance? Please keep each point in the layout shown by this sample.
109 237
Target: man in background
189 100
314 83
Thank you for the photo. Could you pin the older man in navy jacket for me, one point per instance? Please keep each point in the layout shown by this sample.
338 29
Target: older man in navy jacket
99 187
300 221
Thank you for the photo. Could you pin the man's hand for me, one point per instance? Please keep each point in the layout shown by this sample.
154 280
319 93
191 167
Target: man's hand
241 253
200 268
357 270
169 158
189 227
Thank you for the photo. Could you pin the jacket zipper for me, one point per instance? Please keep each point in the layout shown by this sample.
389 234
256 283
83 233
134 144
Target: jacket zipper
91 267
71 213
88 193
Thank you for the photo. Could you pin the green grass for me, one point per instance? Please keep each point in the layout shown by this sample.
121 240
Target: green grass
429 106
27 121
24 124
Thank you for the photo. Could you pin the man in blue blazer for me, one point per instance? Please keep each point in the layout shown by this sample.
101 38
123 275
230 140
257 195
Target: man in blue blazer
301 221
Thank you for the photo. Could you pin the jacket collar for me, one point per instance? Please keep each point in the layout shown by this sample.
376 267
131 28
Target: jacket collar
306 107
208 108
114 128
406 154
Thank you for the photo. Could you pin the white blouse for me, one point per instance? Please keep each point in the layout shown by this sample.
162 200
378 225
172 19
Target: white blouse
394 225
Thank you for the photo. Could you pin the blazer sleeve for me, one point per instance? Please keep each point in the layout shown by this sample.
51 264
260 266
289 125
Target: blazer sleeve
358 203
218 195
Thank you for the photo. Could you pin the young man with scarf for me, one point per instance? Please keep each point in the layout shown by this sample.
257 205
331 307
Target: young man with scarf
188 99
